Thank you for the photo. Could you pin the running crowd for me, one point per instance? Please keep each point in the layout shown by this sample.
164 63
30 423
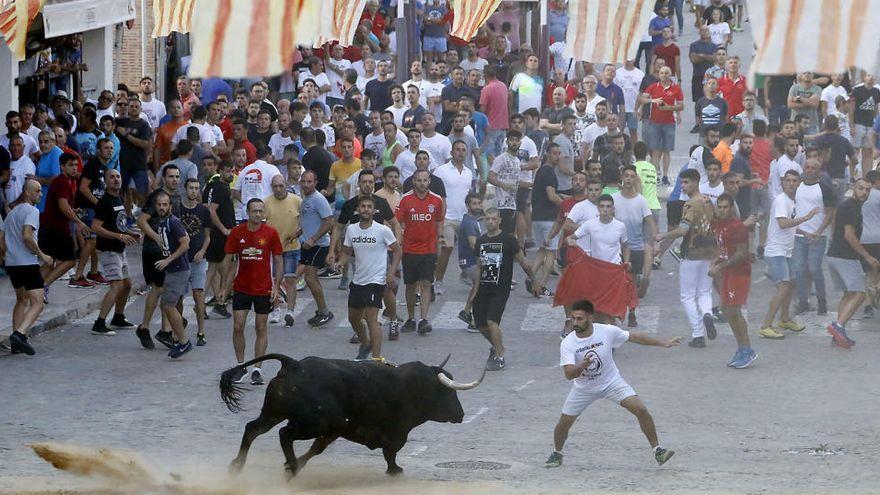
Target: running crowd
251 191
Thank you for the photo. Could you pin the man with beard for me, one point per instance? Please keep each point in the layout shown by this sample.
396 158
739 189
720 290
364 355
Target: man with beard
197 221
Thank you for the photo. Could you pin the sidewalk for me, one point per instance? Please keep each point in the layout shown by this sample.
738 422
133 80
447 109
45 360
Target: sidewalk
65 304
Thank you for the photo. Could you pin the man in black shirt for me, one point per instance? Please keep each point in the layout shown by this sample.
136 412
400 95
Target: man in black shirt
838 155
110 225
423 160
91 188
867 100
545 209
497 251
197 221
843 256
317 159
776 98
262 132
218 199
449 99
377 93
726 13
135 138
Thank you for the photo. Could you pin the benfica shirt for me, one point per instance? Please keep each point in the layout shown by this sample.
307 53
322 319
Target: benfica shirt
419 219
729 233
254 250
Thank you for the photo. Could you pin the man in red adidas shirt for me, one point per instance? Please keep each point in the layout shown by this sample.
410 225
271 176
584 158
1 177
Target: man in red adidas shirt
732 87
667 102
258 249
420 214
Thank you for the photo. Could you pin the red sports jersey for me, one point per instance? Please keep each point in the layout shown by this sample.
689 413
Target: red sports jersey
670 95
254 250
733 93
729 234
419 219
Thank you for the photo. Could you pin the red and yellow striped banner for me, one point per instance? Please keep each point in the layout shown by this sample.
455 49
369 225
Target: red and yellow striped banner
338 21
606 31
172 16
15 19
470 15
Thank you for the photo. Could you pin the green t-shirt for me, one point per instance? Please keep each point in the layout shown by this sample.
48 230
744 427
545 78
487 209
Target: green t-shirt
610 190
648 174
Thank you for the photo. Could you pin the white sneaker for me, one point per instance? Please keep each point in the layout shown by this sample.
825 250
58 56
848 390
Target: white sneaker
67 276
275 317
438 288
301 284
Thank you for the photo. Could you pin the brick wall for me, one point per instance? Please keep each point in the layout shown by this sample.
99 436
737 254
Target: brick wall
128 59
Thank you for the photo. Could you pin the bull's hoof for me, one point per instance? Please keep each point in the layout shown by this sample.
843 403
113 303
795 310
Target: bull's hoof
235 467
290 471
394 471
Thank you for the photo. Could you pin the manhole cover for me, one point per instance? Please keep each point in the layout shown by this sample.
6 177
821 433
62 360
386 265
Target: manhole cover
474 465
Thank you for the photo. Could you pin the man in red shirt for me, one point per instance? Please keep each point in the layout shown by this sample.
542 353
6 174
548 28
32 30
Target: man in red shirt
493 102
559 81
735 269
420 214
258 249
669 51
667 102
54 235
759 161
732 87
240 140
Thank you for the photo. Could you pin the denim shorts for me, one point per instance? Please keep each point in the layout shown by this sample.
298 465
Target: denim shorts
137 180
198 274
495 141
630 121
291 259
779 268
437 44
660 136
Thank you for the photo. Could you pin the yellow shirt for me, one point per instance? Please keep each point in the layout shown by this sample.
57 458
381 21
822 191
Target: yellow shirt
283 216
340 171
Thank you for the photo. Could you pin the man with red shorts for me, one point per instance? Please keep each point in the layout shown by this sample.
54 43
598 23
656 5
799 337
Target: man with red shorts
735 270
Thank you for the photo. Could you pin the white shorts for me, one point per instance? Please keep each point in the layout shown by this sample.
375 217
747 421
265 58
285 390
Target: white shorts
540 231
578 400
860 136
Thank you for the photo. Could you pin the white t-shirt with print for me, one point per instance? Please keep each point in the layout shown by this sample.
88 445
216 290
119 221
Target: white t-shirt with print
629 81
602 371
370 248
780 242
602 240
206 134
529 92
255 181
712 192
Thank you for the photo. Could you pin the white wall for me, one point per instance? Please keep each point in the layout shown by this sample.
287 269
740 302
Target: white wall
97 52
8 73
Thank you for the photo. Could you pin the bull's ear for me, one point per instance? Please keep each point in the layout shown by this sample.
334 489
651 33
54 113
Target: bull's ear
443 364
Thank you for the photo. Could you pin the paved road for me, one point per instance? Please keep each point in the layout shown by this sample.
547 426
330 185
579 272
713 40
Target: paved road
801 420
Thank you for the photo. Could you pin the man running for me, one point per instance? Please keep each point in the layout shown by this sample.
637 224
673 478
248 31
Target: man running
23 258
545 209
735 268
218 199
174 263
586 358
256 285
368 242
197 221
469 232
282 213
497 250
420 214
316 220
632 209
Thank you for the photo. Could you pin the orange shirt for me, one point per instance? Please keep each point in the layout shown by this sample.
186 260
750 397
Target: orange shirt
724 155
164 135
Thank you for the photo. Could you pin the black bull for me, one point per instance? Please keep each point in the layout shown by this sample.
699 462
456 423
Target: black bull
368 403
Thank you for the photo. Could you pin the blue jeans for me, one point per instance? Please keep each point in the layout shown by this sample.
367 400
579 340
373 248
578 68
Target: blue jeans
779 114
807 260
677 6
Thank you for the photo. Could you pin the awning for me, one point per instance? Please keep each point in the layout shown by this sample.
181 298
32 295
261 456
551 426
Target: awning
76 16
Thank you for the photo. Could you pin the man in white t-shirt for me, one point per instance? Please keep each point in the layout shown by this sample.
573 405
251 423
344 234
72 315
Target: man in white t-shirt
828 97
631 208
778 168
603 237
152 107
713 187
254 181
336 66
457 179
629 78
437 145
369 243
199 120
777 254
587 360
810 240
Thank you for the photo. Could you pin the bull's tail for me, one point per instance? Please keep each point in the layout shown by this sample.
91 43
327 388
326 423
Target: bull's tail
231 392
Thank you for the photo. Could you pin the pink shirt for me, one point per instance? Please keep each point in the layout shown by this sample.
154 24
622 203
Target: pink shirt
493 102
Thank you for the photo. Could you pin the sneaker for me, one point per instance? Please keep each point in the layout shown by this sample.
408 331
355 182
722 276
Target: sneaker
546 292
736 357
438 288
802 307
409 326
239 376
424 327
144 335
737 28
528 244
473 328
329 273
791 325
165 338
529 285
709 323
46 296
869 312
363 353
554 461
68 275
18 343
201 340
433 294
496 363
631 320
747 357
288 319
695 129
354 339
822 308
394 330
760 252
80 283
656 265
675 253
119 321
662 455
275 317
697 342
185 322
256 377
97 279
465 317
718 315
221 311
180 349
665 180
379 360
321 319
100 328
211 301
343 284
771 333
839 335
300 284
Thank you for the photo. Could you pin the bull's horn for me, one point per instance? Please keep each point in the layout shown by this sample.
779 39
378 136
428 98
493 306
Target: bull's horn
454 385
445 360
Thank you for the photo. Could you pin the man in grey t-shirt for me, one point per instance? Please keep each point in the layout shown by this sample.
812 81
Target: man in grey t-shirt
870 239
316 220
565 140
188 169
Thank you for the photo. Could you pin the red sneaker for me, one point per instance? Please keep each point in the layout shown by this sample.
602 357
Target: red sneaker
97 279
80 283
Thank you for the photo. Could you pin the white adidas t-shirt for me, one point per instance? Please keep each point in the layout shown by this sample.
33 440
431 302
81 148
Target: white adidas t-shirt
602 240
602 371
370 248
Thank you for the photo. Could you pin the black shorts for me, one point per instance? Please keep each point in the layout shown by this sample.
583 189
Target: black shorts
523 194
508 221
316 256
216 248
152 276
57 244
873 250
489 304
673 214
636 262
418 267
365 296
262 305
25 276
